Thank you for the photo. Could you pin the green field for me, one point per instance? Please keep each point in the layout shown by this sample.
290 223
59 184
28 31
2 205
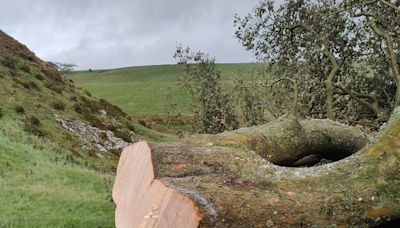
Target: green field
142 90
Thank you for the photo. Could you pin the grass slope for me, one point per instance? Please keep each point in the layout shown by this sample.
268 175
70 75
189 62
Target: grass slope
142 90
41 185
47 179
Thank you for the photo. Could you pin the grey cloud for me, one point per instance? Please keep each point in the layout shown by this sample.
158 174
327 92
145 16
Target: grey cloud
117 33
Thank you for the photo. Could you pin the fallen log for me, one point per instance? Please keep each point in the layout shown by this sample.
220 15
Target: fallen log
222 181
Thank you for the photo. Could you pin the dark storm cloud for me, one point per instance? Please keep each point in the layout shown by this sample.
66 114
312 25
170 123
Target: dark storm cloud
116 33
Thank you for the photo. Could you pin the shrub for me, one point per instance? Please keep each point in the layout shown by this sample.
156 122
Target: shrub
112 127
103 135
25 67
10 62
94 121
1 113
111 109
85 100
52 74
202 80
88 93
78 108
30 85
58 88
123 135
249 98
39 77
130 127
59 105
34 121
32 125
19 109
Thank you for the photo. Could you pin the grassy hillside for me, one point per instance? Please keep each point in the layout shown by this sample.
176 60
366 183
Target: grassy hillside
42 185
49 175
143 90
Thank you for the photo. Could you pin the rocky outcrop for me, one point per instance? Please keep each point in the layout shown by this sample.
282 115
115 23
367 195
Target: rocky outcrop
102 140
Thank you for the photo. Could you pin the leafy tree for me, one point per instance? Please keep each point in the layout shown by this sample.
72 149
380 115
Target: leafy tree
343 54
249 97
62 67
202 80
300 32
380 23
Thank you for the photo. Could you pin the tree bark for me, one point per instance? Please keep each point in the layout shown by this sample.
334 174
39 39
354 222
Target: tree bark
233 186
329 83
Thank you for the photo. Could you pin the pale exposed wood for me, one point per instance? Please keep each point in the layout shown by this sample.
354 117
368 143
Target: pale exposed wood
143 201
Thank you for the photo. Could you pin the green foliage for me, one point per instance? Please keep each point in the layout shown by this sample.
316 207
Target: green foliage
88 93
25 67
1 113
31 85
33 126
78 108
19 109
250 96
56 87
110 108
343 54
202 80
10 62
39 77
59 105
123 135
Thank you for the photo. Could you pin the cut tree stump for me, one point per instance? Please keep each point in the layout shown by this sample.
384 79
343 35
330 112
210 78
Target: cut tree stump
143 201
226 181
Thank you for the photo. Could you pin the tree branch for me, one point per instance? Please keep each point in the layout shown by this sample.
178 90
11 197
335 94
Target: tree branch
373 105
390 5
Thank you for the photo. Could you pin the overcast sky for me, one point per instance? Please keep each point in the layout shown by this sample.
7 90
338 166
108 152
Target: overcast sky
117 33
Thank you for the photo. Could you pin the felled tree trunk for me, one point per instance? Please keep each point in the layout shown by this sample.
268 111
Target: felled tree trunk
221 181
